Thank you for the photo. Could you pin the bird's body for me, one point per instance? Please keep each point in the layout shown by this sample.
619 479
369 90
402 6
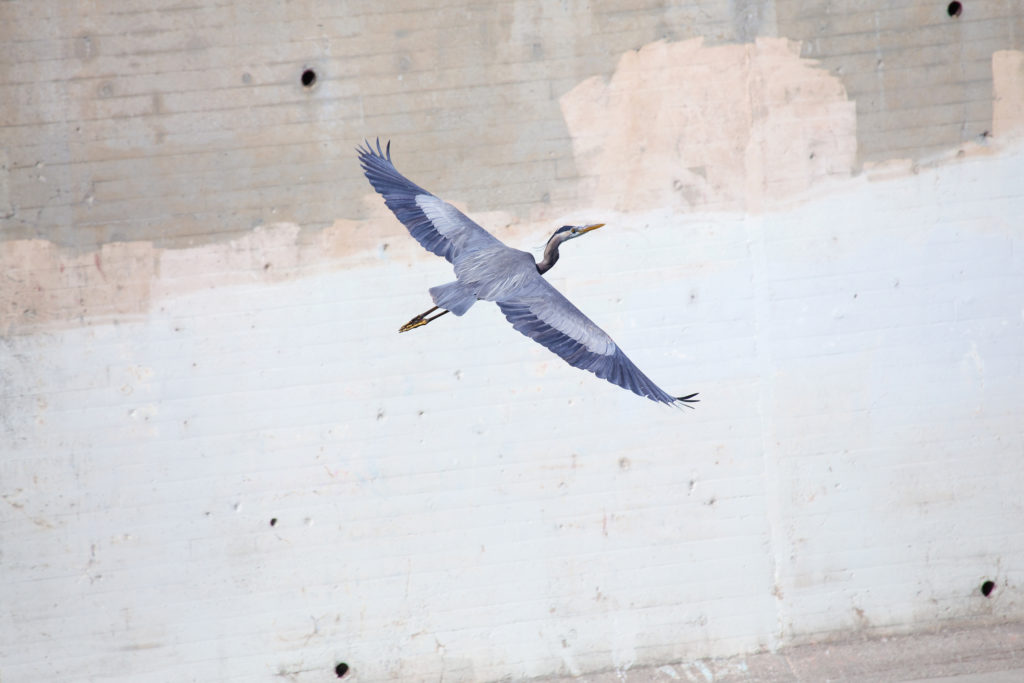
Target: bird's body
486 269
495 273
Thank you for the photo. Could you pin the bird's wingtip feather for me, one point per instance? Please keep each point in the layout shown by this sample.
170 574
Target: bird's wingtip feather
687 400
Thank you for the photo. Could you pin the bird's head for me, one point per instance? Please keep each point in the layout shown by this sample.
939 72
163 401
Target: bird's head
568 232
563 234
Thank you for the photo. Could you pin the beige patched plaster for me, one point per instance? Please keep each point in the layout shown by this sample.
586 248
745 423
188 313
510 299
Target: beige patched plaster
47 284
727 127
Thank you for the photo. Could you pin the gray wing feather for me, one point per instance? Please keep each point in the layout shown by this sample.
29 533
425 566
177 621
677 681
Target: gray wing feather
542 313
434 223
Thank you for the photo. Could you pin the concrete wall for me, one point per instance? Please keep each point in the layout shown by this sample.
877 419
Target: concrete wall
220 462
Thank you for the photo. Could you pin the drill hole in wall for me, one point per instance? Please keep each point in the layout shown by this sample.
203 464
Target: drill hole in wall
308 78
341 670
987 587
954 9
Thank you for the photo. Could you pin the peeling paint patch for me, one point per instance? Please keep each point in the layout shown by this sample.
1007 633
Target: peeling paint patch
729 127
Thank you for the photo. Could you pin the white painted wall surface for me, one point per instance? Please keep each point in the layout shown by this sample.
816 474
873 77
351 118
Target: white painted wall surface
455 503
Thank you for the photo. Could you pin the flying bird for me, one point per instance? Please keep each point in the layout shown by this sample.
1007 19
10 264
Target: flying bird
488 270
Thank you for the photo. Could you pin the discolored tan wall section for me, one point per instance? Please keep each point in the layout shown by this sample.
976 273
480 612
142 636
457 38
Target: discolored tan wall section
732 127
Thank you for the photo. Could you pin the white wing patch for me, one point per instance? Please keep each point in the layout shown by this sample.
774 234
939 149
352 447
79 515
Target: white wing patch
577 327
446 218
552 308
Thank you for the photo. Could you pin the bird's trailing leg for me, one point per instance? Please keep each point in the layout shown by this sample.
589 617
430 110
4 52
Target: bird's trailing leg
421 320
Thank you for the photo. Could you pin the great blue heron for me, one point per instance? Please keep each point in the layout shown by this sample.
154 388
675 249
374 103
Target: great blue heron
486 269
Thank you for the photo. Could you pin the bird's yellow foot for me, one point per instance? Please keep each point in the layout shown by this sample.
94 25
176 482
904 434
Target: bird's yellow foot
418 321
421 320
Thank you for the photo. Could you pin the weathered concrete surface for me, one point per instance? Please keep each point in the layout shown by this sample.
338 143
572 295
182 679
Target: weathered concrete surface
769 128
990 653
219 461
921 78
156 121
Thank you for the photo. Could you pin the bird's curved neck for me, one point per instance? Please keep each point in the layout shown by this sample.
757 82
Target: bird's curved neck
550 257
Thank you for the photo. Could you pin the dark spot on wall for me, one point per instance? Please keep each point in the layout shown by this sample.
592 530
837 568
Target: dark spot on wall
273 521
954 9
988 586
308 78
341 669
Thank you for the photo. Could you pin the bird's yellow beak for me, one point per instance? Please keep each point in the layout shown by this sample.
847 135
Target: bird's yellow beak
588 228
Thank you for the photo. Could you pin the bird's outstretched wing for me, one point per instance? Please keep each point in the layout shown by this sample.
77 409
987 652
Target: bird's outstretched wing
543 314
436 224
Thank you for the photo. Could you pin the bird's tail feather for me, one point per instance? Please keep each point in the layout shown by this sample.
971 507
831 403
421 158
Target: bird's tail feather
454 296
